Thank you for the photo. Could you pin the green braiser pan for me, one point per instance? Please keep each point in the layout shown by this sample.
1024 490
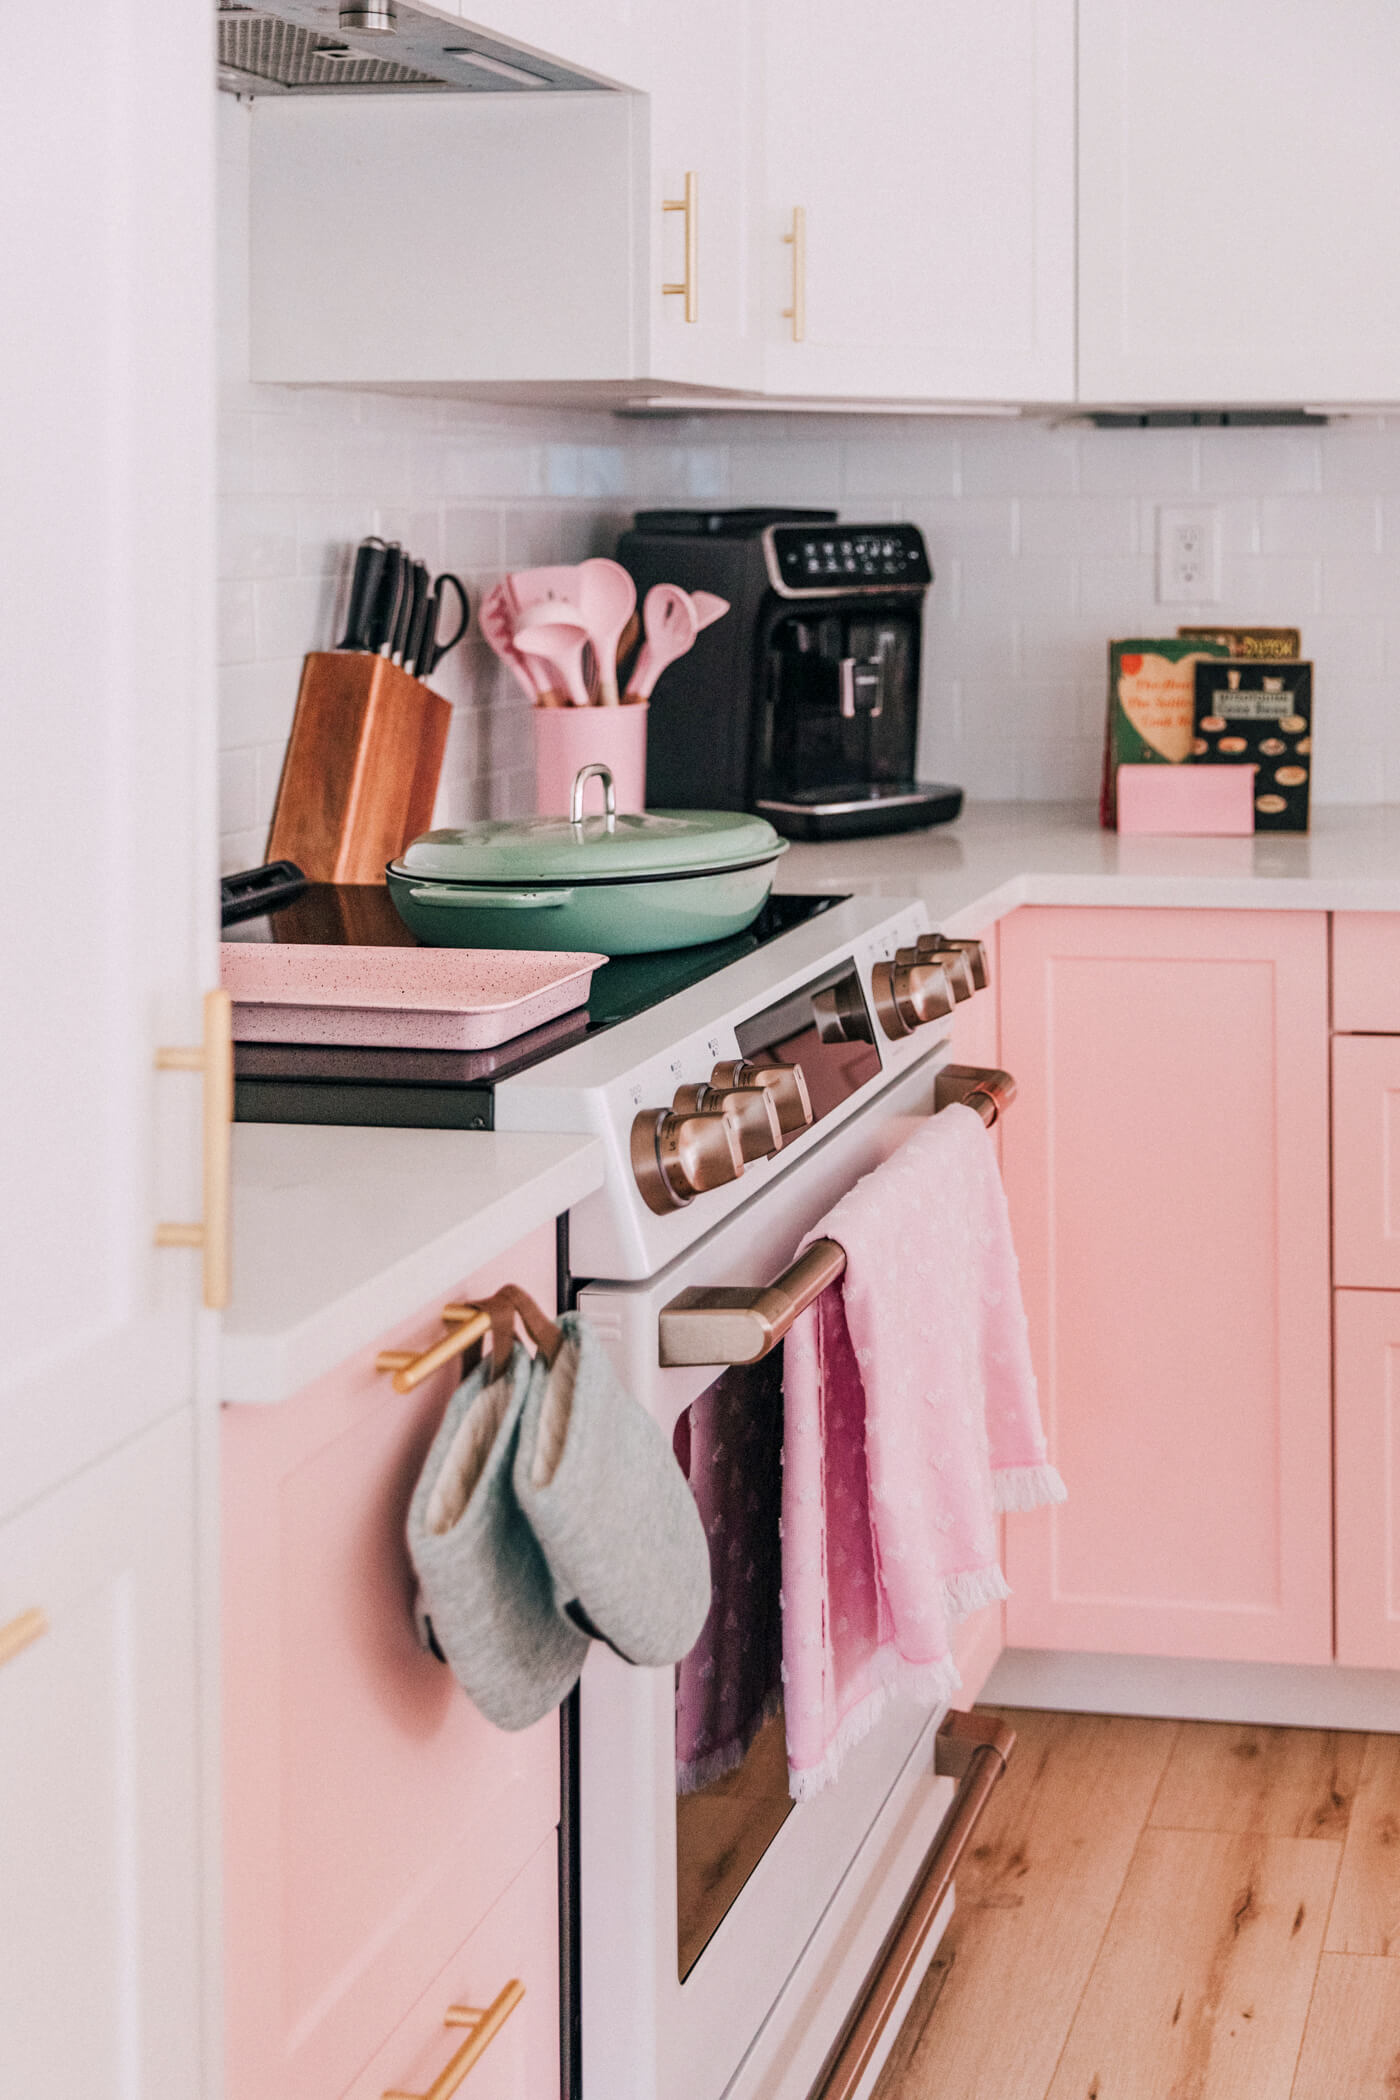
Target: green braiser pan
616 885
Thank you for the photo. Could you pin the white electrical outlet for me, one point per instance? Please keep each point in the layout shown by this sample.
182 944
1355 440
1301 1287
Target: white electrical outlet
1188 554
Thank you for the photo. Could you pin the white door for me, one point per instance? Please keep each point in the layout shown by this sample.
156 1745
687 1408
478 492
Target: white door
704 157
1238 169
107 859
99 1926
931 147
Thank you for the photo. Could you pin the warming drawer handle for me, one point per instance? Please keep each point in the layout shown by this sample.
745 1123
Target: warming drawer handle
485 2024
736 1325
972 1748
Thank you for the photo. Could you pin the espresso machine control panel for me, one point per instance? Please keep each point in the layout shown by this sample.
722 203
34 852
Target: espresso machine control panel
810 561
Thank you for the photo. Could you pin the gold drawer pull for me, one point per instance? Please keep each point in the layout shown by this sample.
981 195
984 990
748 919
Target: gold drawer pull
465 1324
485 2026
797 241
214 1058
689 287
21 1633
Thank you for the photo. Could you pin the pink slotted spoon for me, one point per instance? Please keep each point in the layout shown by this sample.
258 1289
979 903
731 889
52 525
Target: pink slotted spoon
496 621
671 623
558 637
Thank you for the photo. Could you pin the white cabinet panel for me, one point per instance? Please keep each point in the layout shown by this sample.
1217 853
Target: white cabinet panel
99 1938
107 858
934 158
1237 166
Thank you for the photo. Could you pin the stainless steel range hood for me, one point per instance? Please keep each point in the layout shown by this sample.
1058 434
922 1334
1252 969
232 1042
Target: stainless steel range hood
332 47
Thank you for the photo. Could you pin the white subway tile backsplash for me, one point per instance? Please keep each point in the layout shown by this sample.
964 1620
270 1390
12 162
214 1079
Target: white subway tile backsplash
1357 584
1015 458
1077 525
1159 463
1256 462
1319 525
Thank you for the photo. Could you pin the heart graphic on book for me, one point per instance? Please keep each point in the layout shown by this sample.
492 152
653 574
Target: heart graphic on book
1157 696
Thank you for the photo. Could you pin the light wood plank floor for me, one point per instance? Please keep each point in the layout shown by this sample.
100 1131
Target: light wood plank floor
1170 1910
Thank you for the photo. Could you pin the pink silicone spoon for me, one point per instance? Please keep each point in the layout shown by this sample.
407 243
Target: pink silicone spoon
607 599
495 620
671 624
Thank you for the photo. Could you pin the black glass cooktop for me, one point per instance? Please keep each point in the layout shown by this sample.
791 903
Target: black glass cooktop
450 1089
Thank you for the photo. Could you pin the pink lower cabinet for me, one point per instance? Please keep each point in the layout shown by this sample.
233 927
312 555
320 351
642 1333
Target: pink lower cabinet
1167 1168
375 1824
1368 1478
1366 1161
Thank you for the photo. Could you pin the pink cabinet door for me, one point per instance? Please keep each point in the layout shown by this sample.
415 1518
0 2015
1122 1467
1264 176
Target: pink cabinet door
371 1815
1368 1478
1167 1167
1366 1161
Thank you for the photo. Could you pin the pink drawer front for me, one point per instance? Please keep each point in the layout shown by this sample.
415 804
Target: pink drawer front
1366 972
518 1938
1366 1161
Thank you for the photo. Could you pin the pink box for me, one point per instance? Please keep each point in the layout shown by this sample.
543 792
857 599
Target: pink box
1186 800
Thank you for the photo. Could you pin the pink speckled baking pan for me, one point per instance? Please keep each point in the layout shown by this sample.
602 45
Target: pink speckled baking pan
398 998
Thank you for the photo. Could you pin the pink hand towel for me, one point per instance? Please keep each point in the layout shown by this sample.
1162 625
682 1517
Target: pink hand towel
911 1420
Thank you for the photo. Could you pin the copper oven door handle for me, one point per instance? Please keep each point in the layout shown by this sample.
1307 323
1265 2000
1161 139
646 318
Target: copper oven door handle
972 1748
735 1325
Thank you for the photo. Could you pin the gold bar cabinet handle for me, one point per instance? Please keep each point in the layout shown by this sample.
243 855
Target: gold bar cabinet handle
485 2026
974 1749
797 241
21 1633
465 1324
689 287
214 1059
731 1324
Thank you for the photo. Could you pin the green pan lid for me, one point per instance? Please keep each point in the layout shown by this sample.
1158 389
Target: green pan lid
596 848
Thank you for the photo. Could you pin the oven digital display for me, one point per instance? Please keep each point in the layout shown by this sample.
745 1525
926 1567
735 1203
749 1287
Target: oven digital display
826 1028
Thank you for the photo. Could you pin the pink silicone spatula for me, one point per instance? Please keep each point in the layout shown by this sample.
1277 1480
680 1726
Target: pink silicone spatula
670 623
559 638
709 607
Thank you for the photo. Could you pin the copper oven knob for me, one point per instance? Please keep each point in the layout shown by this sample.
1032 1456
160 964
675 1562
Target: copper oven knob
752 1107
945 957
786 1083
975 951
909 992
675 1157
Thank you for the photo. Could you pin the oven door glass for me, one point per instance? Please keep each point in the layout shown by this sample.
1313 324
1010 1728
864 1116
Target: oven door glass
731 1749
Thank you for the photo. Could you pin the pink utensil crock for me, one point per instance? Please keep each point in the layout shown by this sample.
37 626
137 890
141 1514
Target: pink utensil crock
569 737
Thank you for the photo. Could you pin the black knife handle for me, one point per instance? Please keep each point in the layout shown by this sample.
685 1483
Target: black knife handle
364 586
434 649
423 603
385 616
415 583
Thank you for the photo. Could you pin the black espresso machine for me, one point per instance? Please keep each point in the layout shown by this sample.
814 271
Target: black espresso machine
803 702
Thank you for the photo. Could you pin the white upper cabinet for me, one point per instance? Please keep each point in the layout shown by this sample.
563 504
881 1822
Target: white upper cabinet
514 241
930 149
1237 175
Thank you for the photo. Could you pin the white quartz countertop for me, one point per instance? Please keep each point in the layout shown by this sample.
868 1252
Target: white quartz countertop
338 1234
997 856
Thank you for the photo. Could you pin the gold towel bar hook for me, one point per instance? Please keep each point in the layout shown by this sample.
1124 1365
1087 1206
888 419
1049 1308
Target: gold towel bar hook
465 1324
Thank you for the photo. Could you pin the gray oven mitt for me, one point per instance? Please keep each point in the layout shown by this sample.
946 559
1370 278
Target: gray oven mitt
598 1481
485 1588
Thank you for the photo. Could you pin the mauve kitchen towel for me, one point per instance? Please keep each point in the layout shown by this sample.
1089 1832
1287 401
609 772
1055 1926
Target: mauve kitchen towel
729 1443
911 1420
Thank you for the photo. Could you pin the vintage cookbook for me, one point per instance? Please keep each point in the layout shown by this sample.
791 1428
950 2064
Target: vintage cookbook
1151 707
1252 644
1260 715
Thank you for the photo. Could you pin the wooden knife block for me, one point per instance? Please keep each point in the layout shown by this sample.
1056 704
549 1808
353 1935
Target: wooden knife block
361 771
